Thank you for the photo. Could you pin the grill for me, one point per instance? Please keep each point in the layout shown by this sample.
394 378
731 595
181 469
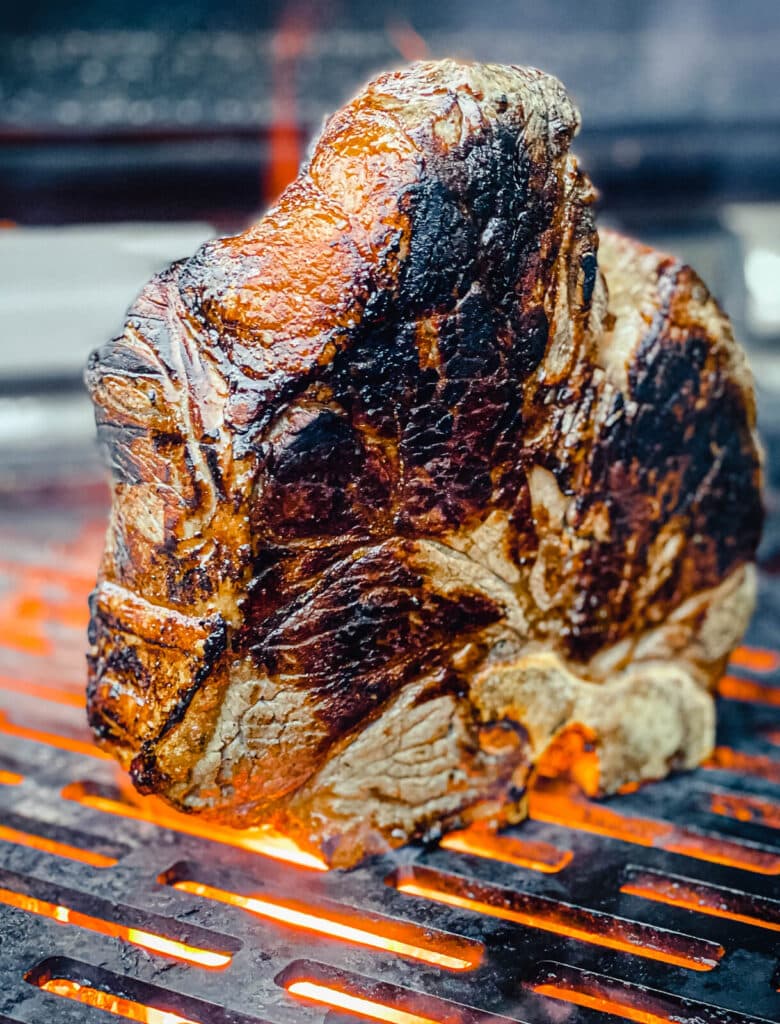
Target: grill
658 905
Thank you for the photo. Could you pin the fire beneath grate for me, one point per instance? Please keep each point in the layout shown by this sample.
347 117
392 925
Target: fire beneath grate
660 905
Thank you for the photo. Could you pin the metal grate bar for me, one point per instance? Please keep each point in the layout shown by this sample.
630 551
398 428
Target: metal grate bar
658 905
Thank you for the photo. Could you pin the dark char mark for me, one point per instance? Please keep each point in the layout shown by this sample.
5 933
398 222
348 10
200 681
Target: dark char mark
436 372
442 248
667 460
590 270
312 469
373 624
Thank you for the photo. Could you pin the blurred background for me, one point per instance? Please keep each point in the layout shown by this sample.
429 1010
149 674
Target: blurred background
131 130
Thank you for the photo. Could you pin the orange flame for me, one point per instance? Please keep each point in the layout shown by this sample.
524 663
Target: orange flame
51 739
731 760
118 1005
293 38
407 40
57 695
573 754
482 842
702 898
335 998
264 841
34 842
10 778
756 658
558 803
410 940
572 923
735 688
147 940
601 1003
38 598
75 560
746 808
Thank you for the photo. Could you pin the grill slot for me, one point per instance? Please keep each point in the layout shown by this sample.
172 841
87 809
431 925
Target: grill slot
703 898
116 1005
631 1002
402 938
110 799
549 915
559 803
520 852
51 739
758 765
687 931
742 807
366 1008
51 694
736 688
368 999
62 842
200 947
36 842
757 659
124 997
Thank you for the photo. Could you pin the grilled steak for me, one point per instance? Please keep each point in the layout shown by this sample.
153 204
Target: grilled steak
416 478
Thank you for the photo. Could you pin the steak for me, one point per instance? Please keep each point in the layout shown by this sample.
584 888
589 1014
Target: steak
416 480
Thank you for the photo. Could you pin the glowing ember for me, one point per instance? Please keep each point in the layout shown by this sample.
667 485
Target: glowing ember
117 1005
171 947
559 803
482 842
36 599
10 778
756 658
147 940
727 759
573 754
701 897
293 38
265 842
407 40
571 922
55 695
417 943
734 688
601 1003
51 739
95 860
335 998
746 808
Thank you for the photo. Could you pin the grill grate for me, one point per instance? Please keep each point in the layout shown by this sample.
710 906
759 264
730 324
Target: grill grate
659 905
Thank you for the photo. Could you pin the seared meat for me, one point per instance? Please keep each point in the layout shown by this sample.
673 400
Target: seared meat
413 478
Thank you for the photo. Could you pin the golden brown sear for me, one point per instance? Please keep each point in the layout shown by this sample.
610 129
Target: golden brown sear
413 477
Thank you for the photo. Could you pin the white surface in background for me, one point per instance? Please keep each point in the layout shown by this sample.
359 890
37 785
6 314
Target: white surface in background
758 228
27 420
64 291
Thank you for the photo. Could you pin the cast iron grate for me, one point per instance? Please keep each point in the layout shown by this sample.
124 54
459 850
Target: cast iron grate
658 905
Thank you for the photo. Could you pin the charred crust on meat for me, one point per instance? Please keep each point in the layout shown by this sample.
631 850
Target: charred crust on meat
145 773
416 427
372 626
443 244
590 268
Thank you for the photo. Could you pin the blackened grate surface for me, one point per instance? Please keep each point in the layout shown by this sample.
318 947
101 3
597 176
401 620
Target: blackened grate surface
659 905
